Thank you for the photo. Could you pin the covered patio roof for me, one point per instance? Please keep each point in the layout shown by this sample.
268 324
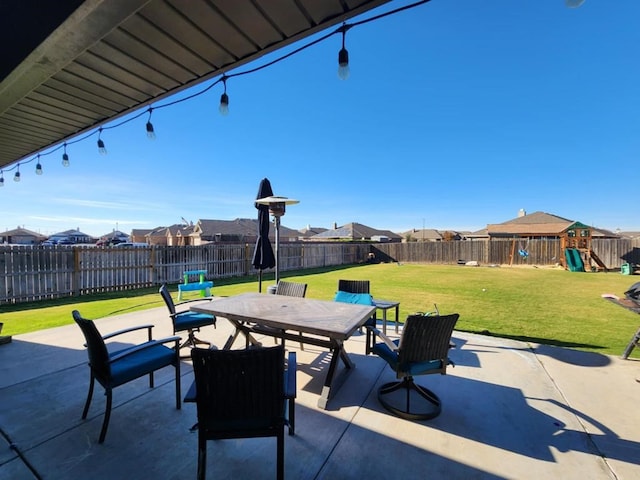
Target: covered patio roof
74 65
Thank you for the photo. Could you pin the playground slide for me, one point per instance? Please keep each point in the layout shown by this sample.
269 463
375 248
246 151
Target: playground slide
574 262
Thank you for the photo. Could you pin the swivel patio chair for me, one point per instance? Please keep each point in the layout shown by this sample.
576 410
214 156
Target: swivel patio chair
244 394
112 369
185 320
422 349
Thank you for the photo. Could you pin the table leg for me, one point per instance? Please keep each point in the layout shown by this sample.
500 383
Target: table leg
397 316
384 321
331 384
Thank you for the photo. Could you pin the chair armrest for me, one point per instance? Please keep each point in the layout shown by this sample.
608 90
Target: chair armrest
208 299
144 346
290 377
127 330
388 342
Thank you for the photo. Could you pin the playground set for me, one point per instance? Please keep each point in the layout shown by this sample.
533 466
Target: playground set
575 243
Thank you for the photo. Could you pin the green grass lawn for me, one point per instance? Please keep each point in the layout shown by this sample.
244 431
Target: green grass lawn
543 305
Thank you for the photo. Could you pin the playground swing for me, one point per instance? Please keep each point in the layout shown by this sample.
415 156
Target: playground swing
524 252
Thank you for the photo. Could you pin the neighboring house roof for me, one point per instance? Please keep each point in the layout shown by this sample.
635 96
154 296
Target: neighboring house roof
21 232
140 232
537 223
355 231
629 234
71 233
422 233
239 227
309 231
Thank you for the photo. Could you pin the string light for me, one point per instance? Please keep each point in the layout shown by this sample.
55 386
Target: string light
343 73
39 167
151 134
65 157
101 148
343 56
224 99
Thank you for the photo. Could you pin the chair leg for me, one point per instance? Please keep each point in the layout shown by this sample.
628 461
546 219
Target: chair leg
178 395
291 418
280 461
107 416
202 456
89 396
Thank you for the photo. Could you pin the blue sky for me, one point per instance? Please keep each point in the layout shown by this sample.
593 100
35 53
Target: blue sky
457 114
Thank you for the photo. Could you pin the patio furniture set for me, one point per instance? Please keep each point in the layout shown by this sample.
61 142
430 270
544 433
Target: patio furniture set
250 392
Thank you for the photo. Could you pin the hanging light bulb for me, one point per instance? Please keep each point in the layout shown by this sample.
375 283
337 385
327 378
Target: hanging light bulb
1 179
101 148
151 134
16 177
573 3
39 167
224 99
65 157
343 56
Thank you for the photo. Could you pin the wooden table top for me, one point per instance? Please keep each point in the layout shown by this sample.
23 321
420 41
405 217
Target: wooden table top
336 320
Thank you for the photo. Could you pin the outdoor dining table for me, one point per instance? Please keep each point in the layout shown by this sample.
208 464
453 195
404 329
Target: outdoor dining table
316 322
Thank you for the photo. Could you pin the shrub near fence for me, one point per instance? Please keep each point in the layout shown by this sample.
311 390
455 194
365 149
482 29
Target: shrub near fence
29 273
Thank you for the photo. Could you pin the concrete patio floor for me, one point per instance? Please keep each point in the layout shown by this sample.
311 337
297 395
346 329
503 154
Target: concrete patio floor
511 410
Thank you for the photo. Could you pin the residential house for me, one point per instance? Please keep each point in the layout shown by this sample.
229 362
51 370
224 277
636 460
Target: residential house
21 236
139 235
71 237
243 230
310 231
543 225
356 232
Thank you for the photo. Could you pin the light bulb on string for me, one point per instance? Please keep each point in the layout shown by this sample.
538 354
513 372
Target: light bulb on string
38 166
101 148
1 179
343 56
151 134
16 177
224 99
65 157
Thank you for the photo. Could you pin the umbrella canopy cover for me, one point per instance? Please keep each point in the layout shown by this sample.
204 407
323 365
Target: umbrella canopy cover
263 256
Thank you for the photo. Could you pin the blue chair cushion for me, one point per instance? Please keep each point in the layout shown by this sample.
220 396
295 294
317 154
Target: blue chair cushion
359 298
188 320
140 363
391 357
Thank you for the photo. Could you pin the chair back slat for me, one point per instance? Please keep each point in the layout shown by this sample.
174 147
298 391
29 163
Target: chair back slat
426 338
166 296
291 289
96 348
239 387
354 286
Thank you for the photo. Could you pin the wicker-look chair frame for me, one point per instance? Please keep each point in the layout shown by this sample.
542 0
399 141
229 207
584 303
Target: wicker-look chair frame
128 363
186 321
244 394
421 350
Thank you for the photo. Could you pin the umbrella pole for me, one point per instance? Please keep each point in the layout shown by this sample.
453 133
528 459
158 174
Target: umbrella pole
260 280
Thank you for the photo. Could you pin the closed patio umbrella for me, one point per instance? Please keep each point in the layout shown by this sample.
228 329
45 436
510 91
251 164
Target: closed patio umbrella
263 254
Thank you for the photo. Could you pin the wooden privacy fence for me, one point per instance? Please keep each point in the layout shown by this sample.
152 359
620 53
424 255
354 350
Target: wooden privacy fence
29 273
612 252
